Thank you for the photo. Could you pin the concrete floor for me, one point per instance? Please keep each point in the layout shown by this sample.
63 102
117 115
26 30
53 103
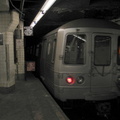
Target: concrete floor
30 101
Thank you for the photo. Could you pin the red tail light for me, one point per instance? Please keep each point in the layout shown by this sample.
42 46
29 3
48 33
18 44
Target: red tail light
70 80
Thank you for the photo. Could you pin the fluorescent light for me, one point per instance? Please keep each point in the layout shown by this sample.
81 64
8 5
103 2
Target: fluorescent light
42 11
36 19
47 5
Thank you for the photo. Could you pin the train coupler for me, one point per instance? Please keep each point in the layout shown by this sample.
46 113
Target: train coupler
103 109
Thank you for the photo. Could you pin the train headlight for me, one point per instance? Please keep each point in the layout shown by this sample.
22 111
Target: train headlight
118 79
80 80
70 80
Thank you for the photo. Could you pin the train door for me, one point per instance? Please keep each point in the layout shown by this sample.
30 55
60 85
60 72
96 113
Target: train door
101 63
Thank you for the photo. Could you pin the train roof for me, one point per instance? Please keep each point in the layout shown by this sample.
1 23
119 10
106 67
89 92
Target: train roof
94 23
88 23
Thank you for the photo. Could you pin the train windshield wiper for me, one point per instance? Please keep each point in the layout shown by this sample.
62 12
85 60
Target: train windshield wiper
79 37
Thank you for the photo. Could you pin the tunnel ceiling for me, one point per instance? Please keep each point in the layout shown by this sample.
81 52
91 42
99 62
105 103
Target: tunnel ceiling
63 11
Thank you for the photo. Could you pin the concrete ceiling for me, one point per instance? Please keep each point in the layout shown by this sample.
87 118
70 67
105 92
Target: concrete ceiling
65 10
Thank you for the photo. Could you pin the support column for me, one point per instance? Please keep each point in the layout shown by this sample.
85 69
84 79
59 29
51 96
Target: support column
19 40
8 23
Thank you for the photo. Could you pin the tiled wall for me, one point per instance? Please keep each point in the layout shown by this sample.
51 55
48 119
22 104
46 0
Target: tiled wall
8 23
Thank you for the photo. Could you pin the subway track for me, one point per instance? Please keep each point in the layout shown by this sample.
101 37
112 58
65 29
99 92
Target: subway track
87 111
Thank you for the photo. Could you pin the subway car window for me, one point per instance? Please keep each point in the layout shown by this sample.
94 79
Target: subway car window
102 50
118 53
48 48
75 49
53 50
37 51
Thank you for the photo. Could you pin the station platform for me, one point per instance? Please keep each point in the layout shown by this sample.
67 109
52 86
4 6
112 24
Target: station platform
30 101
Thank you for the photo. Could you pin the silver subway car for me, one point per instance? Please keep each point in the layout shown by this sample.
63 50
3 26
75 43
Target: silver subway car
81 60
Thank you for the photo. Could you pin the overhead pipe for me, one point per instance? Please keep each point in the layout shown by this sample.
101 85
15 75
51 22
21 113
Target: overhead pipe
21 8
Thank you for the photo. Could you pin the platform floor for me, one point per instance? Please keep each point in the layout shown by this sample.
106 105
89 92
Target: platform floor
30 101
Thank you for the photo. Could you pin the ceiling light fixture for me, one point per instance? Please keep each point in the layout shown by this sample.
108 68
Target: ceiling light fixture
42 11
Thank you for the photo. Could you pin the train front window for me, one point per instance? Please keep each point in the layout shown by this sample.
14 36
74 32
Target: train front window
102 50
75 49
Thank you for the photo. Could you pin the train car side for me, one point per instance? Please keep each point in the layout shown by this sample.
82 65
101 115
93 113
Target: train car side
47 60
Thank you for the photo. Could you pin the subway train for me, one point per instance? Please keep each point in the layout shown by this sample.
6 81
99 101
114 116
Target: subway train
80 60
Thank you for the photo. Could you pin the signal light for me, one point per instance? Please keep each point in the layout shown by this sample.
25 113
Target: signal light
70 80
80 80
118 80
